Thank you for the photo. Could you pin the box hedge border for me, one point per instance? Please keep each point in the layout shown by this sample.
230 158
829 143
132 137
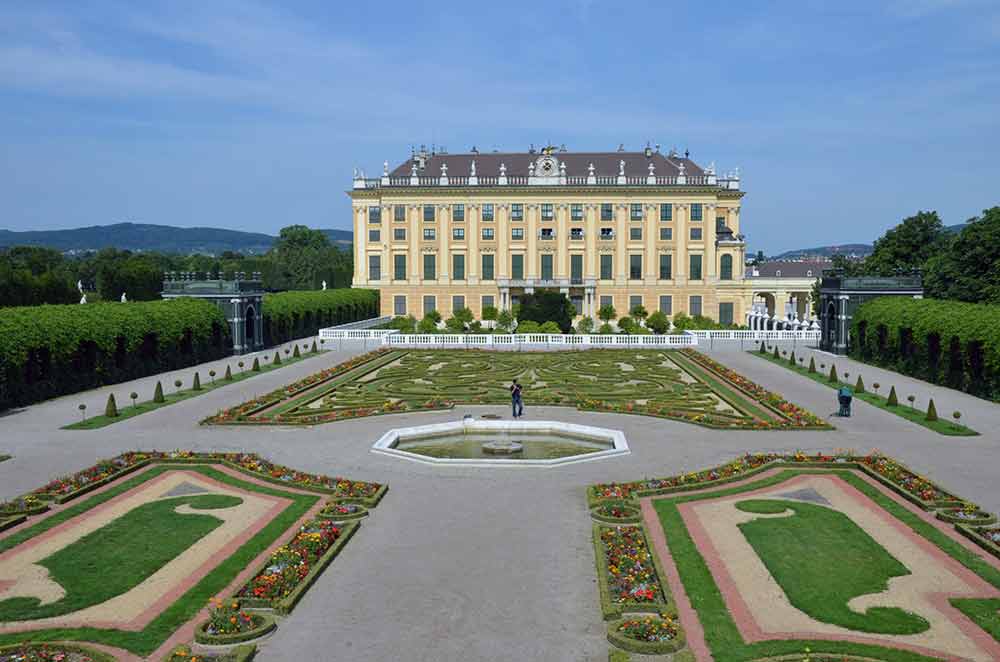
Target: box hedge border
644 647
609 608
268 625
973 534
93 654
243 653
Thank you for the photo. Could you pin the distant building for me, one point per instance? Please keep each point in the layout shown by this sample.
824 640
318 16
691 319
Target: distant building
840 296
782 292
240 300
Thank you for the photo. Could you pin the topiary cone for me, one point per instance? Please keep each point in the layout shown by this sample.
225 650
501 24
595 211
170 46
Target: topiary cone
791 359
892 400
931 411
296 354
111 409
763 347
277 358
229 374
859 386
314 349
776 355
833 374
812 364
196 384
256 365
158 393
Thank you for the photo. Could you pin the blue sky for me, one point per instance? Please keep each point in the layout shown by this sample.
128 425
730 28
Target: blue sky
842 117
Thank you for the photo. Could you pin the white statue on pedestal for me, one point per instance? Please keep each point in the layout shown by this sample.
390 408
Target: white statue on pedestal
83 299
324 286
124 299
79 286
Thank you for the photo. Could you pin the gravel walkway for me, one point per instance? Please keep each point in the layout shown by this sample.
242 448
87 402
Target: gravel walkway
473 564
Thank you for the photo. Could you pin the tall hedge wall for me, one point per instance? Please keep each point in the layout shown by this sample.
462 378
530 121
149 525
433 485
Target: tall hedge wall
47 351
946 342
295 314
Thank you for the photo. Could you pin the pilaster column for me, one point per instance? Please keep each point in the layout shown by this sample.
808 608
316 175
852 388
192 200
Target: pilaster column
501 263
531 266
681 255
621 234
562 240
360 246
708 219
590 231
415 258
650 237
472 258
444 266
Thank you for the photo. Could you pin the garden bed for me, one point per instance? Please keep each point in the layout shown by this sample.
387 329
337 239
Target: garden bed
243 653
340 511
52 652
968 516
616 512
986 537
647 635
627 573
254 627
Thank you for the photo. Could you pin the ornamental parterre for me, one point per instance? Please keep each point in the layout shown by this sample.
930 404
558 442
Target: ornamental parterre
631 573
291 563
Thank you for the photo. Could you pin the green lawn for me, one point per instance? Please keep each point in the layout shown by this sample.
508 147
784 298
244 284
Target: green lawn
721 633
171 395
941 426
145 641
822 560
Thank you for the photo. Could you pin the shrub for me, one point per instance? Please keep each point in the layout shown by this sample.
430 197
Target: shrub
791 359
833 374
277 359
256 365
52 350
892 401
314 348
295 353
859 386
775 353
658 322
876 386
547 306
403 324
931 411
297 314
550 327
211 375
490 313
763 347
585 325
626 324
911 399
177 384
639 312
812 364
529 326
111 409
957 415
606 313
229 374
158 393
429 323
196 382
134 396
605 329
83 410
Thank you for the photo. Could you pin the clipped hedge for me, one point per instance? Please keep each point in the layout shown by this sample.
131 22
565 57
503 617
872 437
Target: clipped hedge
289 315
951 343
48 351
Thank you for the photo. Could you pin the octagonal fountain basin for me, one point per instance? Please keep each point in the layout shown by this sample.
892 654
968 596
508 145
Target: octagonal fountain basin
484 443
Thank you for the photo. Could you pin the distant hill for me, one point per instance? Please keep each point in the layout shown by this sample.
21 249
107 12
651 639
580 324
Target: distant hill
159 238
827 251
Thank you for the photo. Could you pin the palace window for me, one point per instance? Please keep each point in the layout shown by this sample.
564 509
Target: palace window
374 214
430 304
666 212
720 223
726 267
695 270
695 234
517 267
546 266
726 313
607 233
399 234
546 233
399 305
666 266
695 211
488 234
429 234
546 211
517 234
666 304
458 234
576 234
488 267
607 213
457 303
430 266
399 215
607 271
458 213
488 211
635 211
576 269
576 212
399 266
458 266
487 301
635 267
516 211
374 236
694 305
607 301
666 234
634 302
429 213
635 234
374 267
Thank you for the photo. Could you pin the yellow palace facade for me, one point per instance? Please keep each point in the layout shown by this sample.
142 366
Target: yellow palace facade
445 231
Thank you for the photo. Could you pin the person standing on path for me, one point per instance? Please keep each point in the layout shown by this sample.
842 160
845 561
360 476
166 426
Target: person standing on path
515 399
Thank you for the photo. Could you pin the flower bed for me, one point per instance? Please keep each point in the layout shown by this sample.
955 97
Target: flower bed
185 654
342 512
28 504
900 477
43 652
293 567
228 624
986 537
616 512
969 514
626 571
648 635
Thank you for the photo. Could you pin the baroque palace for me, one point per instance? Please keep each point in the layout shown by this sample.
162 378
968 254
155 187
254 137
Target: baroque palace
445 231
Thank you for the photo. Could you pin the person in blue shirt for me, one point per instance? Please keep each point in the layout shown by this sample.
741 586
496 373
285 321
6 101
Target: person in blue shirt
516 403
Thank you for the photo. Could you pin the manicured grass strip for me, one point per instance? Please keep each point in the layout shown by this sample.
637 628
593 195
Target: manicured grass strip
738 400
128 410
721 633
4 458
917 416
184 609
984 612
822 560
136 545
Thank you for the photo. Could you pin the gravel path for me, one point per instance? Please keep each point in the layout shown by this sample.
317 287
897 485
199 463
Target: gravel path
474 564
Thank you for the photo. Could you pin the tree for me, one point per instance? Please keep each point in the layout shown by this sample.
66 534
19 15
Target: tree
892 400
907 247
459 321
111 408
489 313
626 324
658 322
605 329
298 254
833 374
407 324
505 319
585 325
229 374
968 269
548 306
429 323
639 312
158 393
931 411
606 313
